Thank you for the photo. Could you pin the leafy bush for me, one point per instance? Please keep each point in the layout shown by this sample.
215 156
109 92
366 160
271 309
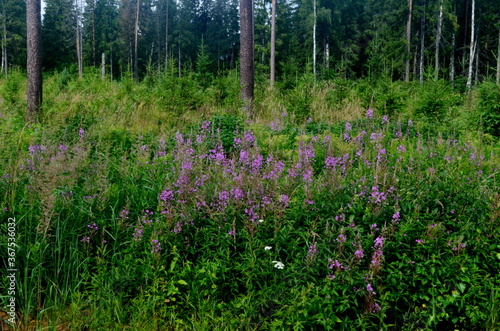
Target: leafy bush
489 108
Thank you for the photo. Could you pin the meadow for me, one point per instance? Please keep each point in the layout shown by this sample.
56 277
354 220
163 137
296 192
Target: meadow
338 205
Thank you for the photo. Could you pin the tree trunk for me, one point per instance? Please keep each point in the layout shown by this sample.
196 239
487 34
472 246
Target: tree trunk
408 42
103 66
453 45
422 47
166 38
136 62
498 59
438 40
327 55
273 43
93 31
78 43
5 62
472 47
476 59
34 60
247 53
314 40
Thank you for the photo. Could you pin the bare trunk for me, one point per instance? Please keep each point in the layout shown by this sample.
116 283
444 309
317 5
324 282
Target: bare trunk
498 59
136 61
327 55
314 41
111 63
5 62
78 43
179 62
476 60
166 38
103 65
247 53
93 31
453 46
408 42
472 47
273 43
438 40
34 60
422 47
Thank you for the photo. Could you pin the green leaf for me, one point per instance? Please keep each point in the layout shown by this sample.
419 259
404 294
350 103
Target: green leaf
461 287
498 256
182 282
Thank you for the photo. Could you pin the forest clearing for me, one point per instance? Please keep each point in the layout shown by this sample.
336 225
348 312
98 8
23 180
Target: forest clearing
250 165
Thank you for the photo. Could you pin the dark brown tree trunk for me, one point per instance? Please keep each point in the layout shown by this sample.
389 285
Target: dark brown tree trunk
34 62
247 53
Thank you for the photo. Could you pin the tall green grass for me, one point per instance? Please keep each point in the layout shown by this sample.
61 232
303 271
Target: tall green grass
158 205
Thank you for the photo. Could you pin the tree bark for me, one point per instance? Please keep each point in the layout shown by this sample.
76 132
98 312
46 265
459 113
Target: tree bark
5 62
408 42
78 43
247 53
103 66
166 38
438 40
472 47
453 45
93 31
498 59
273 43
314 40
422 47
136 62
34 60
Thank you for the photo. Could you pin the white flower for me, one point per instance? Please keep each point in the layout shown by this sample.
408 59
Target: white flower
278 264
260 221
267 248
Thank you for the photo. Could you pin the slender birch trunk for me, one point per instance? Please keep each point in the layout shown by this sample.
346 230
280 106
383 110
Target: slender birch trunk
453 45
408 42
78 43
136 61
273 43
327 55
438 40
103 65
472 46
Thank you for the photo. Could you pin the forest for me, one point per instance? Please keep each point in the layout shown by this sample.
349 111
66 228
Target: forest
250 165
402 40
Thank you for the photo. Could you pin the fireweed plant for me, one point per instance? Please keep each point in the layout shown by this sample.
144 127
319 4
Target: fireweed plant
368 224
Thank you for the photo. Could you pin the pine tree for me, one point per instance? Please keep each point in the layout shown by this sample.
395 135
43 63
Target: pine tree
34 60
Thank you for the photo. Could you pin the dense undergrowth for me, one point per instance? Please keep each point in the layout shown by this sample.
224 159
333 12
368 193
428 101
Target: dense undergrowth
338 205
